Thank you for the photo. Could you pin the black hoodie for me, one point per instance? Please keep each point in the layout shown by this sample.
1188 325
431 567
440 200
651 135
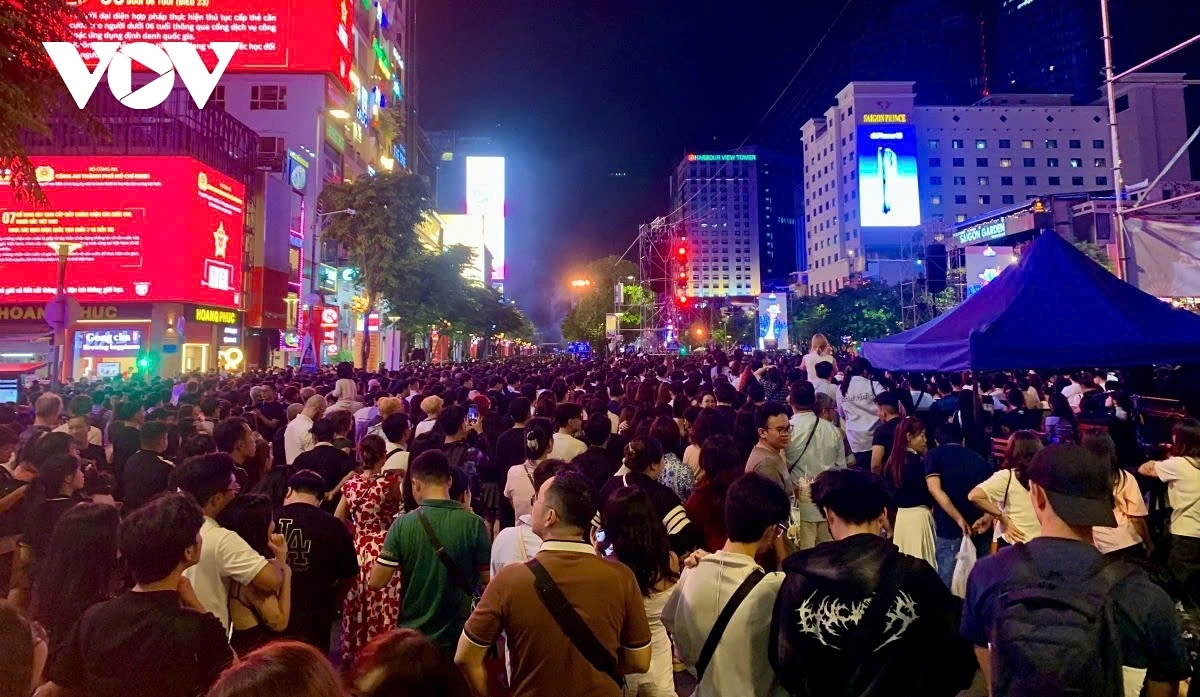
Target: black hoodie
816 650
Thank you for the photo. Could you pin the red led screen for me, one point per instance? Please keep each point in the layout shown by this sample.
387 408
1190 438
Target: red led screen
152 228
290 36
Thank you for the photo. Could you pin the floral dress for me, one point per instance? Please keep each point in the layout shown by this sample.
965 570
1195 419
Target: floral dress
374 501
677 476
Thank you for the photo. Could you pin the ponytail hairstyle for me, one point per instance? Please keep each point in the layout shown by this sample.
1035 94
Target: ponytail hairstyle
893 467
860 367
539 438
1022 447
51 475
641 453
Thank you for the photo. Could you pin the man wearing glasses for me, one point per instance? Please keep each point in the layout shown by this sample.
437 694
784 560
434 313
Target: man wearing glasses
766 458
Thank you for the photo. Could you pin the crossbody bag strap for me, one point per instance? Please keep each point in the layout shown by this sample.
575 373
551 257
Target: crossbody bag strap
722 623
572 624
808 440
454 573
874 621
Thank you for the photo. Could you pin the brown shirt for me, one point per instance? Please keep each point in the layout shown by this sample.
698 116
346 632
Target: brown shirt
544 662
769 463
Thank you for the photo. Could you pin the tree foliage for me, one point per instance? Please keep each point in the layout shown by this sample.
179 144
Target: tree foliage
851 315
585 321
30 88
1097 253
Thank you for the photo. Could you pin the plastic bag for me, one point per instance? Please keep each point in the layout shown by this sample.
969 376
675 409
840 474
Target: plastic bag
963 563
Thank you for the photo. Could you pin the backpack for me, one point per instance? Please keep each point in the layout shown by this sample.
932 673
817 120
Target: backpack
1052 638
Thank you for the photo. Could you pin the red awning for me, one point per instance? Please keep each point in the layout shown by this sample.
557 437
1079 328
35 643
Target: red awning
20 368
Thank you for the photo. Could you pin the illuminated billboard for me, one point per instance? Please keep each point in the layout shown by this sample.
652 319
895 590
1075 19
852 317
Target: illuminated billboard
151 228
887 176
485 198
467 230
773 321
285 36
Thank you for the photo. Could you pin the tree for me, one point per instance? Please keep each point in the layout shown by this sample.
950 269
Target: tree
585 321
30 87
1097 253
853 314
380 236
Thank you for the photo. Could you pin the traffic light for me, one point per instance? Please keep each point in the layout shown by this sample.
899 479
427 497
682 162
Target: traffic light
683 350
145 362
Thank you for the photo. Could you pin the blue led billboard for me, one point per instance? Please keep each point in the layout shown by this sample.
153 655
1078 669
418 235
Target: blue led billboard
887 176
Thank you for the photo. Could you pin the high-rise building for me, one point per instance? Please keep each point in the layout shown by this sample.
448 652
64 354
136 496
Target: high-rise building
737 210
882 174
470 181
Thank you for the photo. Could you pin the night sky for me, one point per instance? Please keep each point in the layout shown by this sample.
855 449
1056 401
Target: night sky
576 90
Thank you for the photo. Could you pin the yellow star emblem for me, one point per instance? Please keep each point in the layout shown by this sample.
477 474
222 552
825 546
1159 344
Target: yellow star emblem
220 240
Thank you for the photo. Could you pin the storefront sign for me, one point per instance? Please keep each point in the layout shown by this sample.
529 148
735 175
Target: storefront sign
212 315
231 336
885 118
327 278
33 312
110 341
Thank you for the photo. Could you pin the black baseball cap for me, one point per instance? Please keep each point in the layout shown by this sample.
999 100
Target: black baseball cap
308 480
1078 484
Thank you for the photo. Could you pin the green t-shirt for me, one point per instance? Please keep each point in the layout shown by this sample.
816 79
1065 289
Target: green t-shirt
431 603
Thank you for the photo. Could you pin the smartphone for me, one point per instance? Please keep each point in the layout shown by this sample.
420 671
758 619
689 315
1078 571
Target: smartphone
473 414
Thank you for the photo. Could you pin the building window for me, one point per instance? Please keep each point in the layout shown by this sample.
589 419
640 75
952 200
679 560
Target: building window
1100 162
1029 162
984 199
981 162
217 101
980 144
937 181
958 162
1051 161
1007 198
984 181
936 199
960 218
1030 181
1051 144
1076 162
935 162
1074 144
934 144
268 97
1006 162
1005 181
1098 144
1054 181
1101 181
1005 144
1027 145
960 198
956 144
1076 181
960 181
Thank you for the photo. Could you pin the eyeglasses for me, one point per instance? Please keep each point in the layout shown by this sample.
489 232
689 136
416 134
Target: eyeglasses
783 429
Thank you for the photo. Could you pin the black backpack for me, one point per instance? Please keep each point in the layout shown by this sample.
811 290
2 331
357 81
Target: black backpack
1052 638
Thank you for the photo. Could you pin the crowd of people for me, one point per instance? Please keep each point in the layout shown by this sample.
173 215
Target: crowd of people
770 525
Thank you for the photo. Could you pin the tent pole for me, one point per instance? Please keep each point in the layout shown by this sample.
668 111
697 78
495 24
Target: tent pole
1110 93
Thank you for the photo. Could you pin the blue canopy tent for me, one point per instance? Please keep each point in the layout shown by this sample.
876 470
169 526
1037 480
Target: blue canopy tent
1054 308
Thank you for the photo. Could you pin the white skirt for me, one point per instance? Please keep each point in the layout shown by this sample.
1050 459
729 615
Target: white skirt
913 533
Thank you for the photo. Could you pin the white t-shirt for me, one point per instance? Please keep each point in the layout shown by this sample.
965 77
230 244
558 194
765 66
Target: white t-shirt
94 436
1182 476
397 460
507 547
740 665
1129 504
297 437
566 447
518 487
424 427
857 407
224 556
1019 507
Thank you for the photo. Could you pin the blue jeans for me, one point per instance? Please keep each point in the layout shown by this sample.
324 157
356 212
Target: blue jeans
946 549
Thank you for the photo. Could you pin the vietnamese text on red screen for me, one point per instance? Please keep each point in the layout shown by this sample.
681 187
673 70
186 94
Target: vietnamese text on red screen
289 36
151 228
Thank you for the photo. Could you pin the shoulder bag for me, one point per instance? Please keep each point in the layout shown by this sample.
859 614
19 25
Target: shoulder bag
571 624
722 623
455 574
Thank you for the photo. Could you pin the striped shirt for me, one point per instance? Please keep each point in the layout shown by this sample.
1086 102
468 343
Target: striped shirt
685 536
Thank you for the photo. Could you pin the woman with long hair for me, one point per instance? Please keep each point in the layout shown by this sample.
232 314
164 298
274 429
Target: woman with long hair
79 569
1131 536
1181 472
518 484
255 616
675 474
55 490
1005 494
904 470
371 500
856 404
22 653
708 423
819 351
641 468
405 663
636 537
647 394
280 668
1061 425
720 465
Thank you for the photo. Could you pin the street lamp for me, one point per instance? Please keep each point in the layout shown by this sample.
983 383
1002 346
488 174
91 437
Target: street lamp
57 310
580 283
